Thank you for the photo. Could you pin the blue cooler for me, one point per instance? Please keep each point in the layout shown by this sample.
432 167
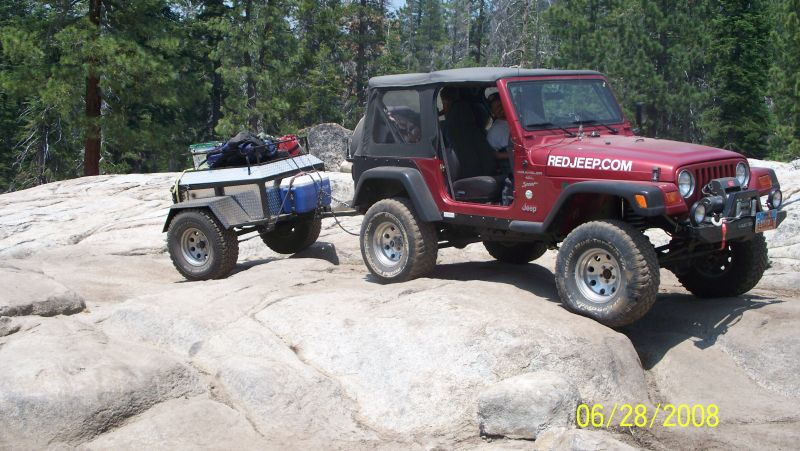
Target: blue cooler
305 193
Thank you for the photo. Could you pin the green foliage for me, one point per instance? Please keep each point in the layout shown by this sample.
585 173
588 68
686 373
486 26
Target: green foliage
738 119
174 72
784 86
653 51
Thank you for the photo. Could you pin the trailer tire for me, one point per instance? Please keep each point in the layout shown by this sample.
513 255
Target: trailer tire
290 237
396 244
200 247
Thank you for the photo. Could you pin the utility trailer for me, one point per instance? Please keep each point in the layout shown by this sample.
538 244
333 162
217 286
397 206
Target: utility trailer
283 201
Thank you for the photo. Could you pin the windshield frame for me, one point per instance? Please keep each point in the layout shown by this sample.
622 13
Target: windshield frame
506 84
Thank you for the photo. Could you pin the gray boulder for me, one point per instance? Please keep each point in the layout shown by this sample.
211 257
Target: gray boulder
329 143
523 406
33 293
342 188
65 382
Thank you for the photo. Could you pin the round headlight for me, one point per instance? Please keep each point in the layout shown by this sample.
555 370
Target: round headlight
742 174
775 199
685 183
698 212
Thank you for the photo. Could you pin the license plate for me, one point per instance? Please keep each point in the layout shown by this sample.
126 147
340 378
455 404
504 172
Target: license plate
766 220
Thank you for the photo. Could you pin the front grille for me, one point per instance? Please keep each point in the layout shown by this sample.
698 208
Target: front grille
703 174
706 174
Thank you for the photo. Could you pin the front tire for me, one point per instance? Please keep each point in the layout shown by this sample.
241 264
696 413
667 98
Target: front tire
200 247
729 272
395 244
515 252
290 237
608 271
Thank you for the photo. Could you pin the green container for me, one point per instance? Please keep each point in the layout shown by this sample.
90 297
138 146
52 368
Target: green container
200 152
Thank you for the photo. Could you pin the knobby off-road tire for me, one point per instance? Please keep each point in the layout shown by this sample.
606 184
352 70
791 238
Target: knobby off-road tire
517 253
294 236
395 244
608 271
729 272
200 247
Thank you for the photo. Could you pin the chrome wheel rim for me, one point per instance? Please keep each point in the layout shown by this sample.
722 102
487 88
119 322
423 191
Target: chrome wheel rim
388 244
195 247
598 275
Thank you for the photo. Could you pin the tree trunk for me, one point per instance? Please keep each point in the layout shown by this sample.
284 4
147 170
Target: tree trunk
91 157
44 149
361 64
252 93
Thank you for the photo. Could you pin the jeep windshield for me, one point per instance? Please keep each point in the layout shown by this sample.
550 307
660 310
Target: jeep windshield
560 104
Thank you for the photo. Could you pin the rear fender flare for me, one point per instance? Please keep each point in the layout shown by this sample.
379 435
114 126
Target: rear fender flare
412 182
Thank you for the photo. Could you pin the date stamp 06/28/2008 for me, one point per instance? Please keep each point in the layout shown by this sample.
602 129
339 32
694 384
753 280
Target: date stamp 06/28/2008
639 416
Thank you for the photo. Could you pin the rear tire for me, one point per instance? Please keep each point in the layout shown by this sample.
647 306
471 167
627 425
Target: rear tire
395 244
200 247
729 272
293 236
608 271
518 253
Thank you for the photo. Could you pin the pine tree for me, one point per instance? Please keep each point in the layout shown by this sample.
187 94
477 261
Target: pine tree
41 101
253 54
785 80
738 119
365 25
317 90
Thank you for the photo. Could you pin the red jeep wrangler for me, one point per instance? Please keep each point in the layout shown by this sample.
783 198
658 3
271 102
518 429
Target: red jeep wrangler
426 178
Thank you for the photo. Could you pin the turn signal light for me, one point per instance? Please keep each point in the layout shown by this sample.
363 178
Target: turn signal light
764 182
672 198
641 200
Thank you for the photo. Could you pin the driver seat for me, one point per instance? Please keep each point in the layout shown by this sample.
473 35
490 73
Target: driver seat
471 160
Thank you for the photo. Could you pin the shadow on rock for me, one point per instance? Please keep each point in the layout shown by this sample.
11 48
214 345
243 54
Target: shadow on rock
531 277
321 251
676 318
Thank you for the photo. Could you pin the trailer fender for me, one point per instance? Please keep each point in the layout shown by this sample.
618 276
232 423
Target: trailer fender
225 208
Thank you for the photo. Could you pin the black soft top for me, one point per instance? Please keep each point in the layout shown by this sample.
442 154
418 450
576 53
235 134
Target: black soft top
467 75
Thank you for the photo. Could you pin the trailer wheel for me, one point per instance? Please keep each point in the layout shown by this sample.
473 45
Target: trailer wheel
515 253
293 236
608 271
200 247
395 244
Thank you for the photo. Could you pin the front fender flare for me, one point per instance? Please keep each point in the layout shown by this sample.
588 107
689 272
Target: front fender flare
625 190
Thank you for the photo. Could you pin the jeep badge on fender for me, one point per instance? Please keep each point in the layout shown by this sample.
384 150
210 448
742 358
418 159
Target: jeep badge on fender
525 159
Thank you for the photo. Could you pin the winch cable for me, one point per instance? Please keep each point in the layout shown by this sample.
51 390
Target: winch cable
319 198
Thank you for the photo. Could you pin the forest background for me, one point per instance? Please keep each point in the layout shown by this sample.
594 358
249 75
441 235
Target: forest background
116 86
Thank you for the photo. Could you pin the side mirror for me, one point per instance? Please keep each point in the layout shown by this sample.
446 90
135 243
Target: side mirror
641 114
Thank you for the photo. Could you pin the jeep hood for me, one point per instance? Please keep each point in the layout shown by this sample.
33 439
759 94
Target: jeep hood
639 154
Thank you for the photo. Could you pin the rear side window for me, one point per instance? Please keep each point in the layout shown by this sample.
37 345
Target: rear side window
397 118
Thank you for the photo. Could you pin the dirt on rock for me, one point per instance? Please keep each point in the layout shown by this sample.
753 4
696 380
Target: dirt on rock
309 351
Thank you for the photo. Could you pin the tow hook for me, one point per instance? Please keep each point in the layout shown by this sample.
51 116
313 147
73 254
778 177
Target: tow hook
721 222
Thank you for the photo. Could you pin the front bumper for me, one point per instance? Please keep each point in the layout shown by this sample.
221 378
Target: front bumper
741 228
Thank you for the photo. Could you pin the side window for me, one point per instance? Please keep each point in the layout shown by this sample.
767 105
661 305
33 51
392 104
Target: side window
397 119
